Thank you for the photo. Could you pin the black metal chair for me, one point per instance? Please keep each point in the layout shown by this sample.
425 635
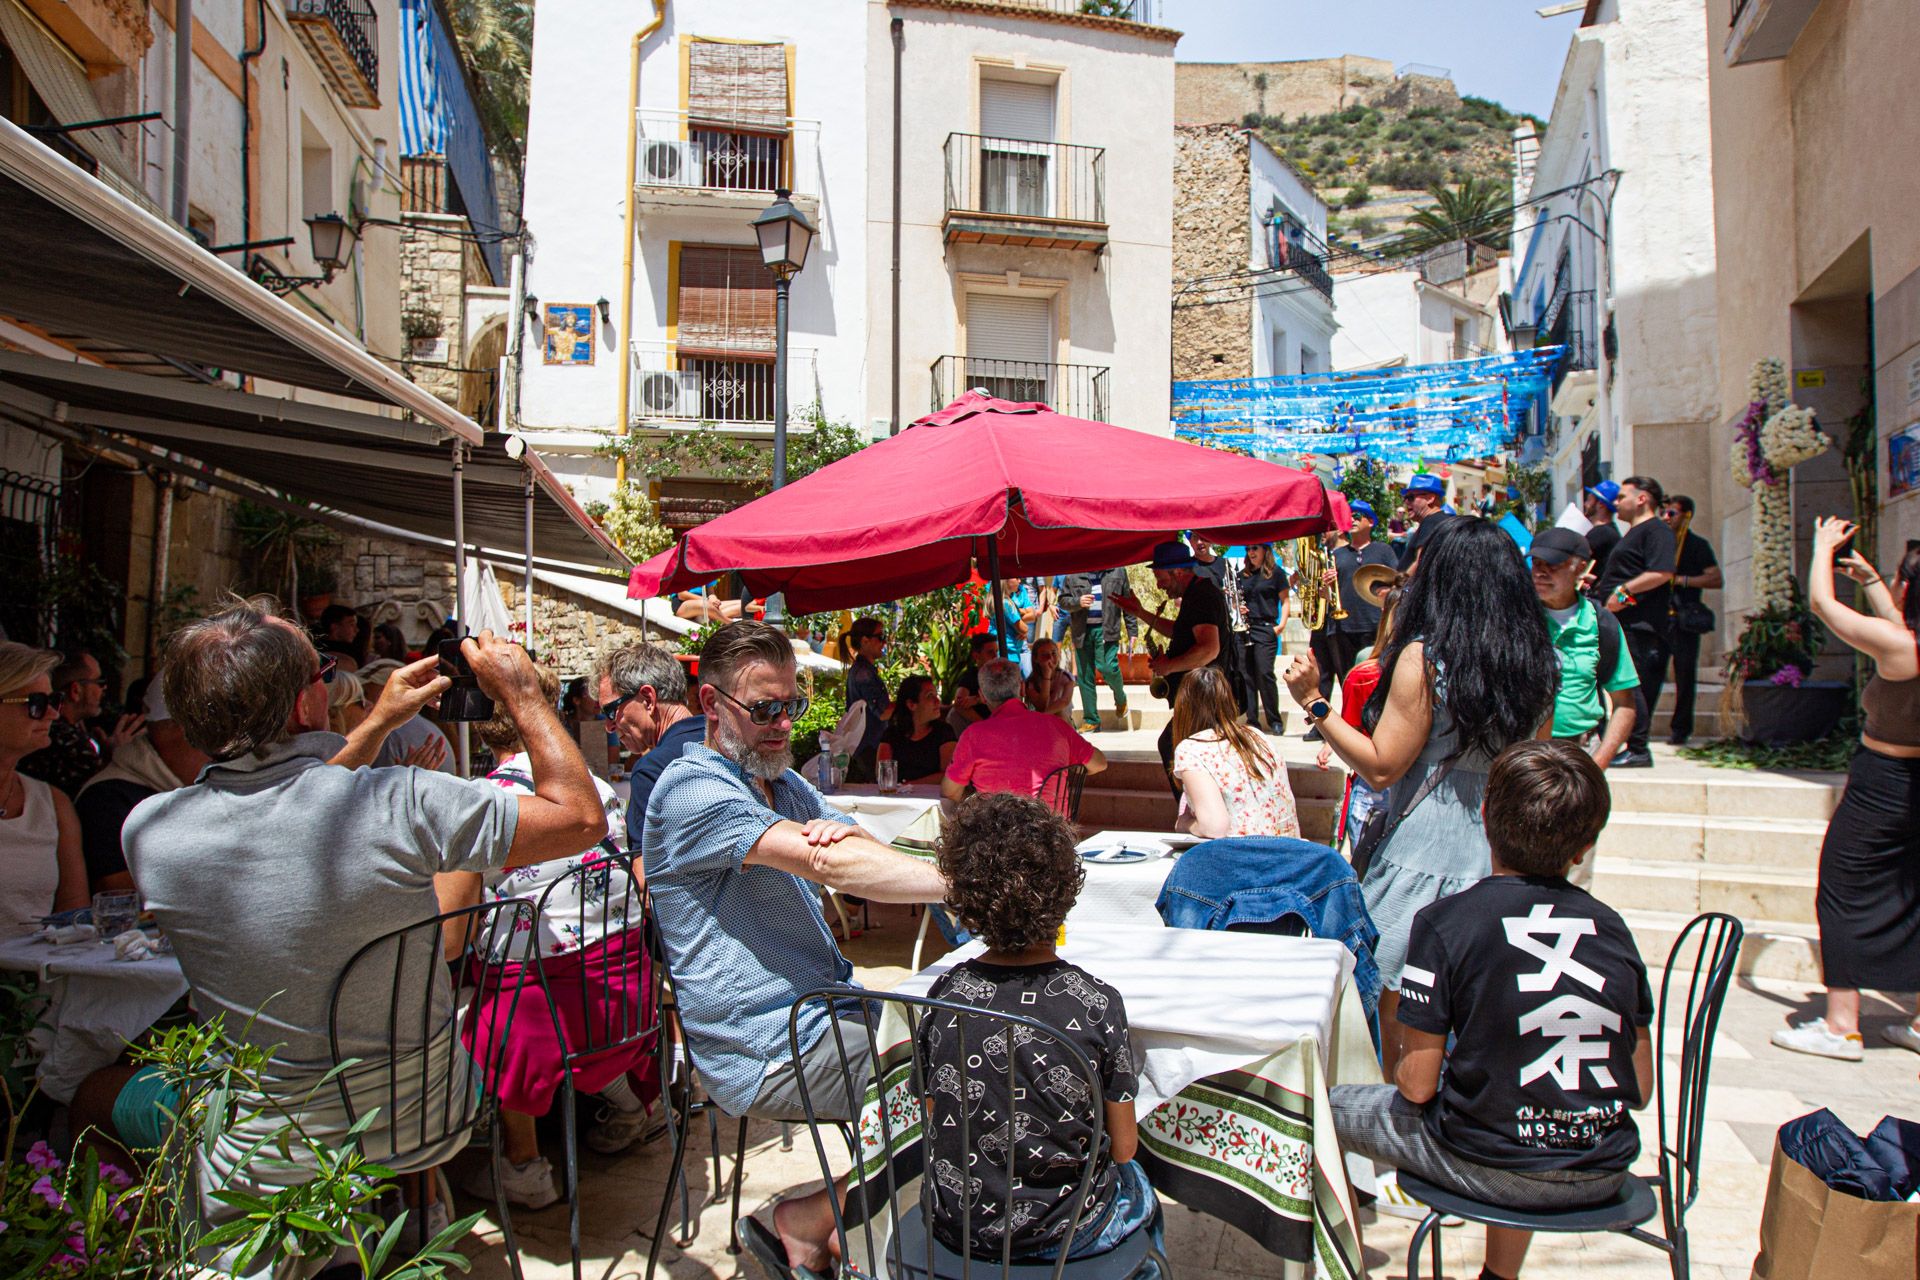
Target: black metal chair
1712 954
1060 790
601 1028
429 1088
679 1081
911 1251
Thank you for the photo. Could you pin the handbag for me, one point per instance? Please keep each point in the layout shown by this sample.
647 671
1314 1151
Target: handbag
1693 618
1379 826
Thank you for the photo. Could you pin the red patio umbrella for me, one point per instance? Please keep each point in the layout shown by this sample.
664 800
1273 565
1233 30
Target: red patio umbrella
1018 487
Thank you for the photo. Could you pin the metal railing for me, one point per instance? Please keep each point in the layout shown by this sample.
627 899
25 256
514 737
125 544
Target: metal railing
1077 390
1012 177
1309 266
670 386
1126 10
356 26
708 156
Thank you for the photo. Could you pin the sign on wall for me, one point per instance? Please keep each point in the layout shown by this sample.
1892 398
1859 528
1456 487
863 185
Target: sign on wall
1903 461
569 333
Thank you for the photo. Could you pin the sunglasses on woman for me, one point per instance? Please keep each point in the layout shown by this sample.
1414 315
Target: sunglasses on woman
37 704
767 710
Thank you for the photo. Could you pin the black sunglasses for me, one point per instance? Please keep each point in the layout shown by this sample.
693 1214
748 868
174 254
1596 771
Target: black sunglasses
609 710
325 674
767 710
37 704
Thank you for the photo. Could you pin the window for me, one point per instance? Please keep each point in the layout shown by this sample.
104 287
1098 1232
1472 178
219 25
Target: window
725 350
1276 353
316 173
1010 346
1016 128
202 227
737 114
1462 339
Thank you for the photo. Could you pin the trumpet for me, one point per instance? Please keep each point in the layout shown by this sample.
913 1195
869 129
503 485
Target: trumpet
1318 602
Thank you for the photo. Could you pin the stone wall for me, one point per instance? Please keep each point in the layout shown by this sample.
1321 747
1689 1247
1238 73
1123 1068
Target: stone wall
1227 92
435 270
571 632
1212 200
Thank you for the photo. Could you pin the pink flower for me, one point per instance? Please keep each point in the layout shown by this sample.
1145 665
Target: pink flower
41 1156
1788 677
45 1190
112 1173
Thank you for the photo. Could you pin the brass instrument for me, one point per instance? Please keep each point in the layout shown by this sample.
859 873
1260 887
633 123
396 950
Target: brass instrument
1156 646
1318 602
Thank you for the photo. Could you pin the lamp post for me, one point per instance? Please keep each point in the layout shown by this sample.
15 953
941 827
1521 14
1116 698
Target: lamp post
785 235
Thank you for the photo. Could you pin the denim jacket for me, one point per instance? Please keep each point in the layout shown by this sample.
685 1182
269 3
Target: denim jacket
1258 880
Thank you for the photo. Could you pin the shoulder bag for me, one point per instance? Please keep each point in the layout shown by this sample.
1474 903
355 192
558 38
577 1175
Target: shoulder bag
1379 826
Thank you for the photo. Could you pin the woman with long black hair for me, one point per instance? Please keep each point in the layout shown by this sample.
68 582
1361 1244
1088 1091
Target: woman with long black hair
1468 671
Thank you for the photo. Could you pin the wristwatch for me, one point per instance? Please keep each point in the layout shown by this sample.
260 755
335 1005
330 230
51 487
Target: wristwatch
1319 709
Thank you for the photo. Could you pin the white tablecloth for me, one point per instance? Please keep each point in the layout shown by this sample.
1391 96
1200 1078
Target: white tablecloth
97 1004
885 816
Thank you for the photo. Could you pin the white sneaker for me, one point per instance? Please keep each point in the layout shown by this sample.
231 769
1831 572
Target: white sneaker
1902 1034
439 1218
1390 1199
528 1185
1813 1037
615 1130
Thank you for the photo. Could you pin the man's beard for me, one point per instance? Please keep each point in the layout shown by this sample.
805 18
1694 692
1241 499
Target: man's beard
759 763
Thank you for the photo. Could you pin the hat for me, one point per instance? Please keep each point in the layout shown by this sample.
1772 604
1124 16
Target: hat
1361 507
1607 491
154 705
374 674
1373 581
1172 554
1426 482
1429 528
1557 546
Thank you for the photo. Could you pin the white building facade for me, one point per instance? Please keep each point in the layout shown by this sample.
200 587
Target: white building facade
1616 252
1427 313
1294 327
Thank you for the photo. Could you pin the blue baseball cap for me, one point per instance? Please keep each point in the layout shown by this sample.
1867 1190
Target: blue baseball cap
1426 482
1361 507
1607 491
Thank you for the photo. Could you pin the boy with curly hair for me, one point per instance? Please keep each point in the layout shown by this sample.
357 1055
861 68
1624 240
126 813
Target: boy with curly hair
1013 873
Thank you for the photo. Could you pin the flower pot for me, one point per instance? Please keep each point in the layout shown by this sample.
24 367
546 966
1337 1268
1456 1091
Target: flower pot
1133 669
311 607
1777 714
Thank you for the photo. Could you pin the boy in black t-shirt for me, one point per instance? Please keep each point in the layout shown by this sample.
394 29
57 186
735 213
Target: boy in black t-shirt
1542 989
1012 874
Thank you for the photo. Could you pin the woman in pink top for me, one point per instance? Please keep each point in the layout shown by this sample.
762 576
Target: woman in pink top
1232 784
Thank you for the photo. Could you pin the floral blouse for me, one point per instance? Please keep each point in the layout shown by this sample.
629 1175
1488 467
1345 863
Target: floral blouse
568 923
1257 806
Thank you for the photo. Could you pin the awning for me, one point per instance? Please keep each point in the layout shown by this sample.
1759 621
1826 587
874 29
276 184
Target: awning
57 76
384 469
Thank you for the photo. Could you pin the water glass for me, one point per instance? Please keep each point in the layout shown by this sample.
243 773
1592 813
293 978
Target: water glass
115 913
888 772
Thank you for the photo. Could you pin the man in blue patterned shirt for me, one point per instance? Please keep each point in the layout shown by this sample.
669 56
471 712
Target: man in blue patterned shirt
736 844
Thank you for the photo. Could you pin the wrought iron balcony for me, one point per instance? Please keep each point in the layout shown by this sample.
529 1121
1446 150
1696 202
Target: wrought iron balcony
1013 191
703 165
1077 390
1309 266
670 386
344 38
1125 10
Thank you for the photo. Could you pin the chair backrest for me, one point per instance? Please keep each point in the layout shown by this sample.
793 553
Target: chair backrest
600 895
427 1085
968 1093
1060 790
1706 952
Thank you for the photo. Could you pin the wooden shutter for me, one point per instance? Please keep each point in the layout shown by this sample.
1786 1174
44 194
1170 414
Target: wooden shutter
737 84
726 302
1016 109
1004 327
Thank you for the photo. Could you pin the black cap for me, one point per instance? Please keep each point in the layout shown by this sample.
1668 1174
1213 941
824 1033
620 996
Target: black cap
1557 546
1427 530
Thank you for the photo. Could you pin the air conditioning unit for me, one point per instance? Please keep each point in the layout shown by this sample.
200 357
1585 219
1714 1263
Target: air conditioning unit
670 395
672 164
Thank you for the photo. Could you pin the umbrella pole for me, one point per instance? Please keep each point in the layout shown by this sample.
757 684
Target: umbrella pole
462 743
999 610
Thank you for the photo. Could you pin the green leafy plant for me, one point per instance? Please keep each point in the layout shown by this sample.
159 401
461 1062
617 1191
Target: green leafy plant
1365 480
1479 211
84 606
279 545
829 703
1778 642
1829 754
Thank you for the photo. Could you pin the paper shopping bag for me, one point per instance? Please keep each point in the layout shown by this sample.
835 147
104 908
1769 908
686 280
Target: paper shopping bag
1809 1231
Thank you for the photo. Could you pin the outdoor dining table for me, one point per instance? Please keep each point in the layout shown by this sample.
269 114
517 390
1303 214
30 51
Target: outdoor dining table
97 1004
1234 1117
885 815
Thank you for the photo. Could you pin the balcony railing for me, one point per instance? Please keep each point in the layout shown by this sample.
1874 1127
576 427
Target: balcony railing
1126 10
677 153
344 38
998 189
672 387
1309 266
1077 390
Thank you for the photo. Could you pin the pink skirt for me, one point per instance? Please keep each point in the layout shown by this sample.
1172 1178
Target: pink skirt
600 994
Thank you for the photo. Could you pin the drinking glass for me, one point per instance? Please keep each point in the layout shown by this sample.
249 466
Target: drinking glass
115 913
889 776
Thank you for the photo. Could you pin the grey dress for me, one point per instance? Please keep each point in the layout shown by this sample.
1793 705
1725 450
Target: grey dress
1438 849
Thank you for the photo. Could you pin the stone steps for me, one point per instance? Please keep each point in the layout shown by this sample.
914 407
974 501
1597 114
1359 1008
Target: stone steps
1772 948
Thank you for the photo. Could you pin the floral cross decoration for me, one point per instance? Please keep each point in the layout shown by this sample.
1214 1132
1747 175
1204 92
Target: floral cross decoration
1772 437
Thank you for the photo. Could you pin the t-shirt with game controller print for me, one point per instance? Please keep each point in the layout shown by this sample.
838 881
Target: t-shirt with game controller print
1048 1113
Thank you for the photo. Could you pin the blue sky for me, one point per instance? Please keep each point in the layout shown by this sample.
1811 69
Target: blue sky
1496 49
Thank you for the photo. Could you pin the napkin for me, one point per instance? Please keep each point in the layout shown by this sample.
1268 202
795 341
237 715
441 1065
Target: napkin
60 935
1106 848
134 945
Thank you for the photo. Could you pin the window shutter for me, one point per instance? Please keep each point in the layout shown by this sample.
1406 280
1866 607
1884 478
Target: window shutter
1004 327
737 84
1016 109
726 302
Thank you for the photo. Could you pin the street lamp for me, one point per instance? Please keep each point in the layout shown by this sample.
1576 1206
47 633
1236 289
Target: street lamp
327 235
785 235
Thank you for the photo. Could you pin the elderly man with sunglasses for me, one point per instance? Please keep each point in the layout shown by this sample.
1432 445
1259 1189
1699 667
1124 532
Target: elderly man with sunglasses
735 843
642 693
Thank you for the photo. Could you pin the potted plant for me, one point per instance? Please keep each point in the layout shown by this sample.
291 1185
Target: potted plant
317 585
1771 665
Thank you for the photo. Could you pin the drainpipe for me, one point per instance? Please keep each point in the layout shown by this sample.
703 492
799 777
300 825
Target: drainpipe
893 311
631 236
182 103
162 544
247 56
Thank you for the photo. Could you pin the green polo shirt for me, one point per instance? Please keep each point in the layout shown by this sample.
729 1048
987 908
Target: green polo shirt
1577 708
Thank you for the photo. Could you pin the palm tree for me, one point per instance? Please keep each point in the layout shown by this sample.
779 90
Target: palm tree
1479 211
496 37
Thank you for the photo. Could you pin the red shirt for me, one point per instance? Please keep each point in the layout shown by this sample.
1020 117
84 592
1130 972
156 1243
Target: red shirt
1356 689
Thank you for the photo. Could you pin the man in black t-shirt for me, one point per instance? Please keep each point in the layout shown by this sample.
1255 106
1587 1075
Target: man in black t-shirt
1598 505
1198 634
1522 1020
1696 570
156 761
1354 632
968 707
1635 587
